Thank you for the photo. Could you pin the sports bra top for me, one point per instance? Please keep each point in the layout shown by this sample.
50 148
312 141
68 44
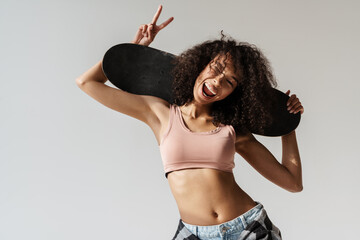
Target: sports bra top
181 148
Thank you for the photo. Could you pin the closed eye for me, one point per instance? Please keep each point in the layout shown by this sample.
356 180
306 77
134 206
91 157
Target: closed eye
217 69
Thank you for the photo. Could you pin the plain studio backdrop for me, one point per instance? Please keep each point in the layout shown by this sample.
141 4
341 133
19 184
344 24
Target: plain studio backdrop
71 168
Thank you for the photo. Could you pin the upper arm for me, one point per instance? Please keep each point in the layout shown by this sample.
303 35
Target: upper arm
260 158
136 106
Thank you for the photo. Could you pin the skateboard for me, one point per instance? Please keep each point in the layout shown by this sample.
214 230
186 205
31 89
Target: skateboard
145 70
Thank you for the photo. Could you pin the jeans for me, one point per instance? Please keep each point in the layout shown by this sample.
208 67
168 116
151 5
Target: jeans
253 224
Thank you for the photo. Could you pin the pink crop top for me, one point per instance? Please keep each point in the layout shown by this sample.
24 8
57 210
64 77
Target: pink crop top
181 148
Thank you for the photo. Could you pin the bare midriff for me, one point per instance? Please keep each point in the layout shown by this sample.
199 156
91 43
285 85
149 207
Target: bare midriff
208 196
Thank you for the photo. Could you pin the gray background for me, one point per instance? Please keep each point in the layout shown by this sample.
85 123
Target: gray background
71 168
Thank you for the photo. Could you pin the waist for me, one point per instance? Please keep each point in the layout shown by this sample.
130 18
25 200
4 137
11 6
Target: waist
208 196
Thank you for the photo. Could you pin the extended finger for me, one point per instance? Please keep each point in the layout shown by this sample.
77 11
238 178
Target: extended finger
164 24
157 14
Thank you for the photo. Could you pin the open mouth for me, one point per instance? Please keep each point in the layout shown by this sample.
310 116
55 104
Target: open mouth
206 92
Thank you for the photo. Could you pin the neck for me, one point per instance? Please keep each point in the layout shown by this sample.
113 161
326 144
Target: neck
196 110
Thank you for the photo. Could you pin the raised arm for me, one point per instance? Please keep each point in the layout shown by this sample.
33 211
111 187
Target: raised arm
287 174
92 82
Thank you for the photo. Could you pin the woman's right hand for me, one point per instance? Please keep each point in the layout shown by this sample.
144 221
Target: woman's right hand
147 32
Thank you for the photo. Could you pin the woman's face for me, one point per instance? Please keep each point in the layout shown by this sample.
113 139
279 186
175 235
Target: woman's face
215 82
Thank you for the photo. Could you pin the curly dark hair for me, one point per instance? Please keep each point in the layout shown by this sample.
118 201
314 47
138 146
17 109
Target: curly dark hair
245 108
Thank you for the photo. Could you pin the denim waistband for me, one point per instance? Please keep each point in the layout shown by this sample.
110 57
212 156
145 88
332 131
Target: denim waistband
236 224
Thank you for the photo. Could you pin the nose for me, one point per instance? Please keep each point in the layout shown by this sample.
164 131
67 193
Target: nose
218 79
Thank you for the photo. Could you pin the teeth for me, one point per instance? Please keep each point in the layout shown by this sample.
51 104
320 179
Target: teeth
207 85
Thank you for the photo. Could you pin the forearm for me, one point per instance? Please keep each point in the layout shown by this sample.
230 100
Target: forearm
95 73
291 157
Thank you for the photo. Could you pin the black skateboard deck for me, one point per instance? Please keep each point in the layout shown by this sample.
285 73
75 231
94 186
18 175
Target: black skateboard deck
144 70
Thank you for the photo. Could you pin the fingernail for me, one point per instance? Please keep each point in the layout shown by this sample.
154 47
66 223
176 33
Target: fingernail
288 108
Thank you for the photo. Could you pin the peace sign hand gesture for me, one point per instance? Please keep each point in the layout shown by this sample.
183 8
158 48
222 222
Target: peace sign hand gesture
147 32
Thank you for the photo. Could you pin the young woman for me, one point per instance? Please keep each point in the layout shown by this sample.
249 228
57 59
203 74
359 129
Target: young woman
220 89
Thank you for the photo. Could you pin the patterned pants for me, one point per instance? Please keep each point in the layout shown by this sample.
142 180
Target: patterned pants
252 225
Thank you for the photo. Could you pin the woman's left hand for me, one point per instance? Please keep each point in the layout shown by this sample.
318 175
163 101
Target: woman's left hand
147 32
293 104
